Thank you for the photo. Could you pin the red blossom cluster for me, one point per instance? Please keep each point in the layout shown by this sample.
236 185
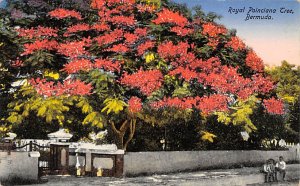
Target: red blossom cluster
78 65
262 84
130 38
274 106
145 46
169 50
98 4
119 48
147 81
213 42
213 30
100 27
117 33
254 62
215 102
74 49
181 31
207 66
226 79
146 8
68 87
61 13
222 78
236 44
207 105
17 63
77 28
134 104
141 32
37 32
185 73
107 64
168 16
118 2
176 54
37 45
127 8
123 20
114 12
111 37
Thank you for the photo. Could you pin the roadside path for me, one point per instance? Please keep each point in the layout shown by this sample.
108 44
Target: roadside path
227 177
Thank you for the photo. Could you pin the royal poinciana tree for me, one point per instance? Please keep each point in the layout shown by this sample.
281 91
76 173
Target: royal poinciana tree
122 61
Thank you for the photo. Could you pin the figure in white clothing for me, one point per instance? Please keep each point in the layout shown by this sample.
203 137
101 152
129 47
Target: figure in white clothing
269 171
280 167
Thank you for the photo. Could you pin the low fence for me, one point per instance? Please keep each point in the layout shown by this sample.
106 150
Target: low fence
22 144
171 161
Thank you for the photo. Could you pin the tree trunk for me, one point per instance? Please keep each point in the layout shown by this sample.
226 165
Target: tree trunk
131 133
120 133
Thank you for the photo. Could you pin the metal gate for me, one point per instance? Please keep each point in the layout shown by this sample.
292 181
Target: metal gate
44 159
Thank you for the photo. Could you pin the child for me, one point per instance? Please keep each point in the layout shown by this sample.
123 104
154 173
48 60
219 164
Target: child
269 170
281 166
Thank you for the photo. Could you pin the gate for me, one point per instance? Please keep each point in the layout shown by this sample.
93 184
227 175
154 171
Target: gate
44 159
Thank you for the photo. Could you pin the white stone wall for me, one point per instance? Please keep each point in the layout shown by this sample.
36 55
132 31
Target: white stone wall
163 162
18 164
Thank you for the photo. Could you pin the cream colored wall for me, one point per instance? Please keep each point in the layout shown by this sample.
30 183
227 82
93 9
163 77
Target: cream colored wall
18 164
172 161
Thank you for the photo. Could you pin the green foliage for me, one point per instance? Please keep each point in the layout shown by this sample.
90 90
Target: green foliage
228 136
287 77
178 135
242 110
165 116
94 118
113 104
40 59
182 91
8 52
50 109
268 127
102 82
207 136
155 3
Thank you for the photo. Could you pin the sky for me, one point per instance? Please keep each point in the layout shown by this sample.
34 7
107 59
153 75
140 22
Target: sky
275 39
2 3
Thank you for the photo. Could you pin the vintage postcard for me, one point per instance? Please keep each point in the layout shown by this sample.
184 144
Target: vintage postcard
149 92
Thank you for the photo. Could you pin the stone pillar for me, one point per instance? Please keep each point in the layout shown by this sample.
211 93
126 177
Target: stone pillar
119 165
59 158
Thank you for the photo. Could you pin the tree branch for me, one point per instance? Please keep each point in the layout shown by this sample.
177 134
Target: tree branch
132 131
113 126
123 127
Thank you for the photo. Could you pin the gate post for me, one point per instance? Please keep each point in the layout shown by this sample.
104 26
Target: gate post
59 158
30 146
59 152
